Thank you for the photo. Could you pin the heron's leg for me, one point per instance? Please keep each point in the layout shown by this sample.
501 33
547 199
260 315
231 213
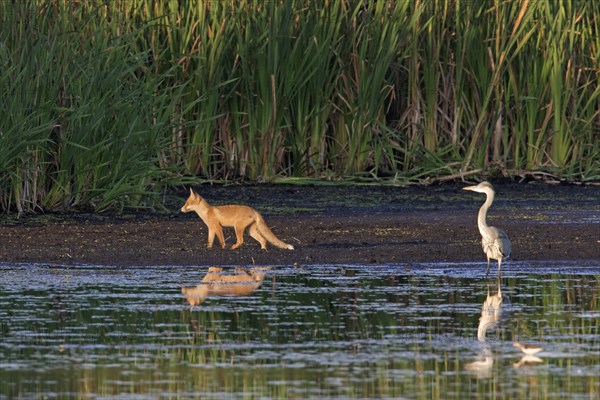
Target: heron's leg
499 264
488 268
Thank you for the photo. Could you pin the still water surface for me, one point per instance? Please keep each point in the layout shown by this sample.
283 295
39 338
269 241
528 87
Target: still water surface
397 331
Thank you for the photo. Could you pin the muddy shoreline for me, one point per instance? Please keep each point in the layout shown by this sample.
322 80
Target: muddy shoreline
327 224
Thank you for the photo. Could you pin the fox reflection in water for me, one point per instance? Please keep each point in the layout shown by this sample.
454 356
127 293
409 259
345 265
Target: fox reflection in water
216 283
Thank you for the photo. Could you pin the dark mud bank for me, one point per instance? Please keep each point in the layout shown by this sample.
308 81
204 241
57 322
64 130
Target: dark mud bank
328 224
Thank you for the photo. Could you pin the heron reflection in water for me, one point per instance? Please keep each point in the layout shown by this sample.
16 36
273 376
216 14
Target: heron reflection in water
494 241
491 312
491 316
216 283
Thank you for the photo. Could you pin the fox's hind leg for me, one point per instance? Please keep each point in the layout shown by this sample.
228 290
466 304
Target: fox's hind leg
239 234
258 237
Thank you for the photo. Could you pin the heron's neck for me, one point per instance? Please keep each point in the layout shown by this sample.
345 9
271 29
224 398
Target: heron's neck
481 219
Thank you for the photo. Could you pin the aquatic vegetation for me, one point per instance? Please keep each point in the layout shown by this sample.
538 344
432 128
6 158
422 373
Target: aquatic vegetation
108 103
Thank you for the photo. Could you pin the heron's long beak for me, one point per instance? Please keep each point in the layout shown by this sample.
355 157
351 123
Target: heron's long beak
469 188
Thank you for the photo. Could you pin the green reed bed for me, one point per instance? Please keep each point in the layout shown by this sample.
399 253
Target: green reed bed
107 103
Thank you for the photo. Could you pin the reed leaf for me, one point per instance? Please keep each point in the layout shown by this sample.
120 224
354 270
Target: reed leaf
107 103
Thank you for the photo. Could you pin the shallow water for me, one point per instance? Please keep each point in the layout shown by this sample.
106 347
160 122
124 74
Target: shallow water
397 331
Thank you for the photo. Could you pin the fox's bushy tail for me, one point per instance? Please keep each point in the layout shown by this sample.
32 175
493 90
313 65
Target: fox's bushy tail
264 230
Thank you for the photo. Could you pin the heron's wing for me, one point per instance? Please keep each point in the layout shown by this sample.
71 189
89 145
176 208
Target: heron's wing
504 243
496 245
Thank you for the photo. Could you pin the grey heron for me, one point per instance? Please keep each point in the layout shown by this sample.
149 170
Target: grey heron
494 241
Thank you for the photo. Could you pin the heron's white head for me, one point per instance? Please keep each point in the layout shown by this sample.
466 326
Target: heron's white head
483 187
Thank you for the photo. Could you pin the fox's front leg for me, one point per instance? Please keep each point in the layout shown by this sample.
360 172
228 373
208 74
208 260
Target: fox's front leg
219 232
211 236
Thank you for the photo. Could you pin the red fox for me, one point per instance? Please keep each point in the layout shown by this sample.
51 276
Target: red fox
236 216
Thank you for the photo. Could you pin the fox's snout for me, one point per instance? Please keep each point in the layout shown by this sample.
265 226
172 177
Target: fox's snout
187 207
191 202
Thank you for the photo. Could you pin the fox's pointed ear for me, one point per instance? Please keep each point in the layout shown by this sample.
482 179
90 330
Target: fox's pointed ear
195 195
